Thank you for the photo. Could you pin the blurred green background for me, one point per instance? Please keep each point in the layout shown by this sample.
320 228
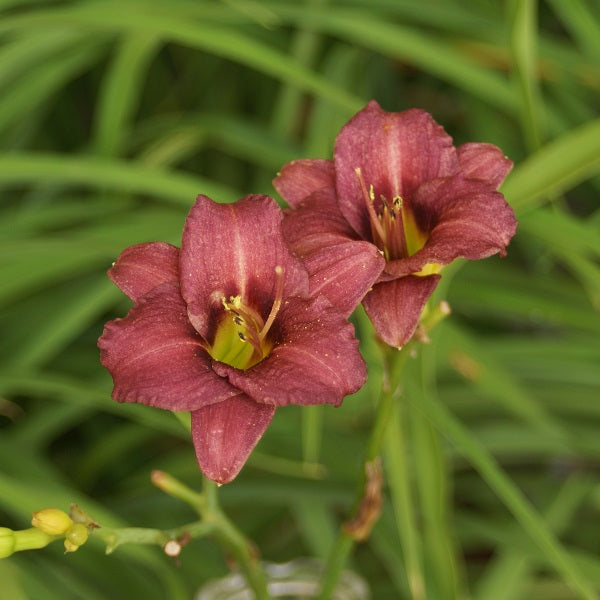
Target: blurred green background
115 114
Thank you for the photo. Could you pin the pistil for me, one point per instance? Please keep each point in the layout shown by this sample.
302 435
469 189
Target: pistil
242 340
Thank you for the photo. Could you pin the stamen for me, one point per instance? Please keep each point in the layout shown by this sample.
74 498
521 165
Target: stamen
369 197
276 303
241 338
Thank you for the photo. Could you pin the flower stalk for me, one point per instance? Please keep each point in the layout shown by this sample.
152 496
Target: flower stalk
52 524
394 364
216 522
24 539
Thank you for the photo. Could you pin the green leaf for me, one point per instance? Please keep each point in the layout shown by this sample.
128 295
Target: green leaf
509 493
103 173
556 168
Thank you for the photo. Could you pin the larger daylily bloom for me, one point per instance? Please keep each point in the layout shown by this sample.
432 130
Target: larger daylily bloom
226 328
398 184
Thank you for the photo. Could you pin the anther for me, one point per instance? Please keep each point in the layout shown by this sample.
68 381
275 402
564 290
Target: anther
369 199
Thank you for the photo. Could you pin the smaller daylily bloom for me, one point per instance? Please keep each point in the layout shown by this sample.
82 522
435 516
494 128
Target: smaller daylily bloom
399 186
226 328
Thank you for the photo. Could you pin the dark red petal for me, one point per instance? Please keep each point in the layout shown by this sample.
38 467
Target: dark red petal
316 224
484 161
340 268
233 249
225 433
468 218
316 361
395 307
156 357
300 178
344 273
395 152
141 268
471 219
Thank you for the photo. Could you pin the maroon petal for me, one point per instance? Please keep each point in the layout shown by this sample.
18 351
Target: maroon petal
300 178
339 268
141 268
395 153
468 219
316 360
471 219
225 433
344 273
156 357
484 161
316 224
395 307
233 249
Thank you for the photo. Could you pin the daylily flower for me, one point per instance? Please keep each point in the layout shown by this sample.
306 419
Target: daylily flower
226 328
399 185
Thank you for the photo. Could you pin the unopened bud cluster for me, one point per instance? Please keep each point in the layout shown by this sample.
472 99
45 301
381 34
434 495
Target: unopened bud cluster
56 522
49 524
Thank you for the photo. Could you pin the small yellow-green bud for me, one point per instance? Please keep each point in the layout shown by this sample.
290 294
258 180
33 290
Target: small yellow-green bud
51 521
7 542
70 547
77 534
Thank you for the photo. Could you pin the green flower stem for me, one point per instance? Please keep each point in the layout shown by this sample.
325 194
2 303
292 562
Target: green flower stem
212 522
23 539
113 538
33 538
394 364
233 539
168 484
210 489
207 507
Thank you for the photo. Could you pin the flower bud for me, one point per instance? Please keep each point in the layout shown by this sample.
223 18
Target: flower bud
77 534
51 521
7 542
70 547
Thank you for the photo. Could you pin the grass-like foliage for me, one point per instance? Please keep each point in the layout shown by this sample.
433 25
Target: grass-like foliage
114 115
